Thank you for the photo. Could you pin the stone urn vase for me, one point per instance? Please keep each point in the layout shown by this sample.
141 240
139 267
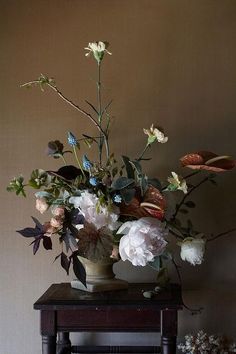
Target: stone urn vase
99 276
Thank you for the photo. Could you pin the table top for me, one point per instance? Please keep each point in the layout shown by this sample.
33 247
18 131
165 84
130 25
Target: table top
63 296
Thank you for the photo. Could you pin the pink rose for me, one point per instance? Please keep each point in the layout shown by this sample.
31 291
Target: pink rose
58 211
49 230
115 253
56 221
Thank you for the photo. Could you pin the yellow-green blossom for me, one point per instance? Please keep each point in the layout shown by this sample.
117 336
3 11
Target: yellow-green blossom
177 182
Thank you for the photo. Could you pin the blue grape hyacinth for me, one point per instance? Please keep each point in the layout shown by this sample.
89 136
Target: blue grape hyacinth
93 181
72 139
87 164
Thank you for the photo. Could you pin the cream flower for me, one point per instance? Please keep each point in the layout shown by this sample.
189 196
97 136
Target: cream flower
143 240
155 134
98 49
41 205
177 182
192 250
100 217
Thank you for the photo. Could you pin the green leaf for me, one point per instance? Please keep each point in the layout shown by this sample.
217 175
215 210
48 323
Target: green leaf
162 277
128 166
137 166
122 182
155 183
127 194
92 106
156 263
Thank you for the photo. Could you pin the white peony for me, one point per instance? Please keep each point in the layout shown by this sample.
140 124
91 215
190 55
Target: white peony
192 250
99 217
143 240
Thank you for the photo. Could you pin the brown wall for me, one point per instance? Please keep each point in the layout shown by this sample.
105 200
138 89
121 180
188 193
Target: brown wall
173 64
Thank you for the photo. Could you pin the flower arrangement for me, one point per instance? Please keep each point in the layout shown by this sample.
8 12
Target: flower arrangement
202 343
110 207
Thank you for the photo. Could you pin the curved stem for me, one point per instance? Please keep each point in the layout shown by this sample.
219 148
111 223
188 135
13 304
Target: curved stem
221 234
88 115
187 195
63 160
193 311
175 234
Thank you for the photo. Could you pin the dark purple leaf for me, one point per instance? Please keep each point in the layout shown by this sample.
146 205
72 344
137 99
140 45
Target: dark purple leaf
29 232
47 243
37 223
59 255
76 218
67 172
65 262
78 269
36 245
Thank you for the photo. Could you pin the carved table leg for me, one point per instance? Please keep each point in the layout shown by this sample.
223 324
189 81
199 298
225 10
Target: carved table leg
48 344
48 331
168 345
168 331
63 343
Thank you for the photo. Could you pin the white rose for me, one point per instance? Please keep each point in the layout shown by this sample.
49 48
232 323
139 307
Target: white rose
192 250
87 204
143 240
41 205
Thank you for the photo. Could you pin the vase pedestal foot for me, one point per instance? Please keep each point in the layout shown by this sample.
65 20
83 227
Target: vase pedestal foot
102 285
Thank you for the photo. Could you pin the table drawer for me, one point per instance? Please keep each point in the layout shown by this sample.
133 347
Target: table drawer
109 319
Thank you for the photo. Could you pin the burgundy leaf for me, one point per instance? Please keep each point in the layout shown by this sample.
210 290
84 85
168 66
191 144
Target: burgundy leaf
47 243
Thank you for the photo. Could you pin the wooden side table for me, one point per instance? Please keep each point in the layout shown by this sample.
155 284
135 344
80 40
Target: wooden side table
64 310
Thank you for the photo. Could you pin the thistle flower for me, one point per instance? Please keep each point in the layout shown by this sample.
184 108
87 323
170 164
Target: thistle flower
98 49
